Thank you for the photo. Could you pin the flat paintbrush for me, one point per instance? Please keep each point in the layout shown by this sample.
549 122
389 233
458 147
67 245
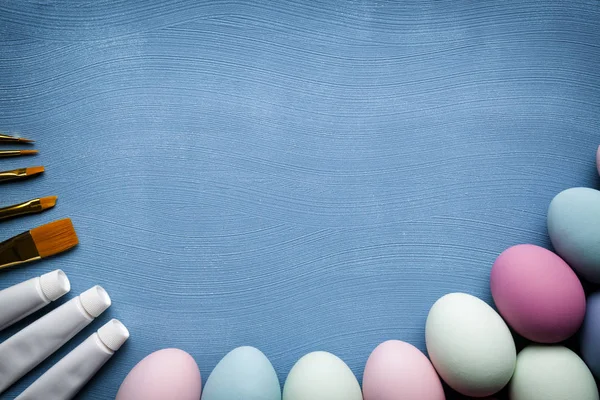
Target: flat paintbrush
16 153
41 242
29 207
13 139
20 173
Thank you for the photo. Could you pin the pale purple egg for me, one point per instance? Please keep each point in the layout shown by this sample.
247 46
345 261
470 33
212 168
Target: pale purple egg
398 370
165 374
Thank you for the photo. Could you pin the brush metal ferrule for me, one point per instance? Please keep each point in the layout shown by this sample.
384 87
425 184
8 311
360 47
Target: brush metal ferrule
29 207
12 139
10 153
18 250
14 174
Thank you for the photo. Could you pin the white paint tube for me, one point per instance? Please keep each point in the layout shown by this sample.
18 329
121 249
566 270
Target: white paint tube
25 298
23 351
66 378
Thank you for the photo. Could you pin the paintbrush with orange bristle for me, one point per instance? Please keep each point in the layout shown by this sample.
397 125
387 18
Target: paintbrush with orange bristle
20 173
13 139
41 242
16 153
29 207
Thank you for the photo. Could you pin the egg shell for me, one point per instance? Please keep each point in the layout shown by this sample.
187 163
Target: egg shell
574 228
469 344
537 293
321 376
590 334
244 373
398 370
551 373
165 374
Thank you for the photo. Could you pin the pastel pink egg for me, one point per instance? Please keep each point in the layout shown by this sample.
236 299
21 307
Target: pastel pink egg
537 293
398 370
165 374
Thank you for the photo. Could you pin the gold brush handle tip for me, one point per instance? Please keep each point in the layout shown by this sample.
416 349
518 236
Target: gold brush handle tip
16 153
28 207
18 250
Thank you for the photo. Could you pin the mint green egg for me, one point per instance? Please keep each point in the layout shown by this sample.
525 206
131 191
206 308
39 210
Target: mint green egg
321 376
244 373
574 229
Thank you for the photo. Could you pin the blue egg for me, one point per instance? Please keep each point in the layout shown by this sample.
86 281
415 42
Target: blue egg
574 228
244 373
590 332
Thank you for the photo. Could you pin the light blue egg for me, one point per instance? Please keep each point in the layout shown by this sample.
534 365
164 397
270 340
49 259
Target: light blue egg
574 228
244 373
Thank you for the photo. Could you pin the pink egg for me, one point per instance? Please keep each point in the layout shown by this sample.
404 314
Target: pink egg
537 293
398 370
165 374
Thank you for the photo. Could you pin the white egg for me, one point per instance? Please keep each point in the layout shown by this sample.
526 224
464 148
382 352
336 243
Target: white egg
470 345
321 376
551 373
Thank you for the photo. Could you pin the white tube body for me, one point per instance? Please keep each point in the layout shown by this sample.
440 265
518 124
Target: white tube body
68 376
23 351
25 298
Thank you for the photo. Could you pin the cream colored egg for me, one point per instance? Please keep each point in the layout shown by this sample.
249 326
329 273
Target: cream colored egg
470 345
321 376
551 373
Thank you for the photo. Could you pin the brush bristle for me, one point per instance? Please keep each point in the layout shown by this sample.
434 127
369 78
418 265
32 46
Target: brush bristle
34 170
28 152
55 237
48 202
24 140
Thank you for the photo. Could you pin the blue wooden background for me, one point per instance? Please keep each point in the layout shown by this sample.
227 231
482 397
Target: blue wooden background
295 176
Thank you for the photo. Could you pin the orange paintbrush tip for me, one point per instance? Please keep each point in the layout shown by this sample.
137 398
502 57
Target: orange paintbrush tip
41 242
48 202
19 173
14 139
15 153
34 170
54 238
28 207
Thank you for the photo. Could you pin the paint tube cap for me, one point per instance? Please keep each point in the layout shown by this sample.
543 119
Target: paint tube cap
55 284
113 334
95 300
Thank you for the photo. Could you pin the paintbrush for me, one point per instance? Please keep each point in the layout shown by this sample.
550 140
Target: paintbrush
16 153
20 173
41 242
29 207
13 139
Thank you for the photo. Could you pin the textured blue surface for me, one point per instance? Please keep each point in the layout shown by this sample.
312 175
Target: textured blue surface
295 177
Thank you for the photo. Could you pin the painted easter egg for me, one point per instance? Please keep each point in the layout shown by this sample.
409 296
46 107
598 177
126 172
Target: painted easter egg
470 345
574 228
244 373
321 376
165 374
398 370
590 345
551 373
537 293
